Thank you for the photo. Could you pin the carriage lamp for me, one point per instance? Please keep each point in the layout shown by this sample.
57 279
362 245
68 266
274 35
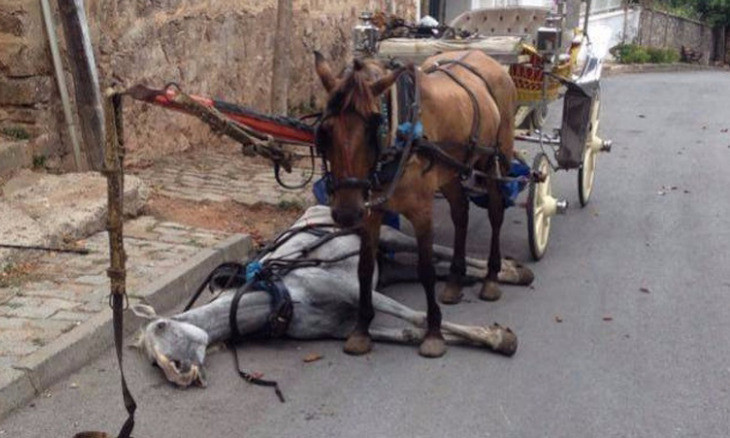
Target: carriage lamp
548 41
365 36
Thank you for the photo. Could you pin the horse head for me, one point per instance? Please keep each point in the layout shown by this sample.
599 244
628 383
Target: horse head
177 347
347 136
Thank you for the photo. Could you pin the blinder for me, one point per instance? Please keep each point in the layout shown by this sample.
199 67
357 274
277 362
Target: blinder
376 133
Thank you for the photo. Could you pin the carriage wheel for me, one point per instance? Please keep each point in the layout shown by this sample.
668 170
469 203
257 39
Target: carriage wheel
538 208
538 116
587 170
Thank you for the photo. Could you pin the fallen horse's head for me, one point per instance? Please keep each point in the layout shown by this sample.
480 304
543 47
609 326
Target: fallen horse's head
177 347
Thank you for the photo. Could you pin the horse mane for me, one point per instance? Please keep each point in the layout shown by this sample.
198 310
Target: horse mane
353 93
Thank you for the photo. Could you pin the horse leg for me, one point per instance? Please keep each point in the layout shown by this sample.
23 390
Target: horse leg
359 341
490 291
511 272
433 344
496 337
459 206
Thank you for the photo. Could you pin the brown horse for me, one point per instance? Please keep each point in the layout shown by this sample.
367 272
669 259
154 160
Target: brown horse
469 100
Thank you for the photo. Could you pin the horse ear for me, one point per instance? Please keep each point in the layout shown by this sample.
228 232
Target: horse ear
324 71
144 311
138 340
378 87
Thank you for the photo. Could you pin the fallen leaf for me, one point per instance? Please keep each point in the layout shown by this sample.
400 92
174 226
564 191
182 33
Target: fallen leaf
704 127
608 318
660 193
312 357
724 130
558 318
686 191
644 289
641 116
674 187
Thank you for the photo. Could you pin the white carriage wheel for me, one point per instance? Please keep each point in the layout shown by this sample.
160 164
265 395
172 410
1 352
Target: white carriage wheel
538 218
587 170
539 115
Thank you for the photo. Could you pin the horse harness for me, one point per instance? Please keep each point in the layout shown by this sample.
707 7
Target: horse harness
267 275
390 161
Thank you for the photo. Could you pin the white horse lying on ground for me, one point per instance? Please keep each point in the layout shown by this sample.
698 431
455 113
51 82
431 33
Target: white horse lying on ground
324 303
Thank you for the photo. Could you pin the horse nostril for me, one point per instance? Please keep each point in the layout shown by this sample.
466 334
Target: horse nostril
336 216
347 217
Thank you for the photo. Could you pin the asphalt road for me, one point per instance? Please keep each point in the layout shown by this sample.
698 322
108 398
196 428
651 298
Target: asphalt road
659 368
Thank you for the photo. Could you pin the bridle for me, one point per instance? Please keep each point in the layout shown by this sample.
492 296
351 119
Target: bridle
374 142
374 124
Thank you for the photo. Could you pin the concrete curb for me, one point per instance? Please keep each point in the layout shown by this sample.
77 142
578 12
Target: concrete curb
618 69
41 369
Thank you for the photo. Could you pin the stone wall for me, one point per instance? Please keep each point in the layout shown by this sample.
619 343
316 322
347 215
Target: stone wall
29 104
660 29
218 48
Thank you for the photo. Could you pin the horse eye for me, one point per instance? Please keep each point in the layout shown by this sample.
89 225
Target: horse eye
322 139
161 325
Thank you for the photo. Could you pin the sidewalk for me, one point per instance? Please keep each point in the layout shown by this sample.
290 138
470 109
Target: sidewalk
54 316
612 69
221 175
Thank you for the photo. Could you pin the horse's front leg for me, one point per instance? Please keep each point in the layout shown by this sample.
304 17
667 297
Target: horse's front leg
359 341
459 207
490 290
433 344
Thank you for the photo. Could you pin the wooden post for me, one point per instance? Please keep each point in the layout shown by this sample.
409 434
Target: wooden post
280 73
86 80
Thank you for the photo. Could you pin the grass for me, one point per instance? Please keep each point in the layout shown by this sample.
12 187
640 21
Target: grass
39 162
12 274
15 133
636 54
286 204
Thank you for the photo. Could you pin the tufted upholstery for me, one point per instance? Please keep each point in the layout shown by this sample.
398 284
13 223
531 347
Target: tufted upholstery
510 20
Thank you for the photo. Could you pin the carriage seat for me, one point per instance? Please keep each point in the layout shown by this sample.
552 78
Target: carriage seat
503 21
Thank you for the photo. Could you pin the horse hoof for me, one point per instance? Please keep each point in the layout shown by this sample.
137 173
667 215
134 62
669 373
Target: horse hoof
358 344
490 291
525 276
508 345
451 294
432 346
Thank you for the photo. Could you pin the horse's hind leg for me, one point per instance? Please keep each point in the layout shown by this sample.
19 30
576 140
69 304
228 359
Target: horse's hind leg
490 291
459 206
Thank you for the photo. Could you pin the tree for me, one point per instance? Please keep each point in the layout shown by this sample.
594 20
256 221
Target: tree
714 12
280 73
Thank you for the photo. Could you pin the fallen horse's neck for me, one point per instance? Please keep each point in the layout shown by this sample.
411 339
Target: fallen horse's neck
253 313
